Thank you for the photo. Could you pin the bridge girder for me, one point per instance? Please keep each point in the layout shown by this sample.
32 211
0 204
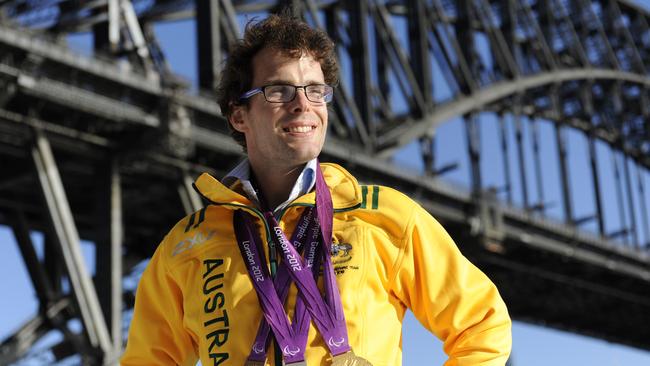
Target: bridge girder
525 52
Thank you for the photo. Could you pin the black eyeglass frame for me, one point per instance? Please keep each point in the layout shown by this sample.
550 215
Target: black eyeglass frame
328 95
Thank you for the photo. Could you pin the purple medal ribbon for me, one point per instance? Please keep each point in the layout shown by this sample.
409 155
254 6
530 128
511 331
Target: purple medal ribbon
268 298
305 231
325 214
327 313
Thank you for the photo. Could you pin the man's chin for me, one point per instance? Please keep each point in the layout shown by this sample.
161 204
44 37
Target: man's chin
305 154
303 157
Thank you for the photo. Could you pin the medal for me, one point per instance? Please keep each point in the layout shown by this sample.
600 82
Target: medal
349 359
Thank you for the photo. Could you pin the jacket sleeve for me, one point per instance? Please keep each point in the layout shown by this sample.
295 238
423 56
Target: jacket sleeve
451 297
157 335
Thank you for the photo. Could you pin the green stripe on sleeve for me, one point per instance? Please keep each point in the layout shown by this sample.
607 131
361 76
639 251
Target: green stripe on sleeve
375 197
364 193
190 223
201 217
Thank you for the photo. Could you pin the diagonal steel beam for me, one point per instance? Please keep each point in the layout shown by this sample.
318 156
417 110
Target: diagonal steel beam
39 277
68 240
108 253
18 344
189 198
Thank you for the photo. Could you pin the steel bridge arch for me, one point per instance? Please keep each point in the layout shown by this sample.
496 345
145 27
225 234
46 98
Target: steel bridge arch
478 101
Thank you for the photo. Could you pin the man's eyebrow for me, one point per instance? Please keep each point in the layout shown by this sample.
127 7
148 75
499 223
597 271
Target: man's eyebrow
287 82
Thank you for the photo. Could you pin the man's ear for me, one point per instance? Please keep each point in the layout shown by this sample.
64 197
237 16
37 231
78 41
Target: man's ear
236 118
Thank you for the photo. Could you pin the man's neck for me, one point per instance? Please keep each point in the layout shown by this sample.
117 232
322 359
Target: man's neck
275 182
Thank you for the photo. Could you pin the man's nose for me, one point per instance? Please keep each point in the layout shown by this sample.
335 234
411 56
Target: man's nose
300 103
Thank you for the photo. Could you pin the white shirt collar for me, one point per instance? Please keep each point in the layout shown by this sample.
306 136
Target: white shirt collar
304 184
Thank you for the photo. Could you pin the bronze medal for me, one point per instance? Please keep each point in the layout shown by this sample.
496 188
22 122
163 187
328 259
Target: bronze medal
349 359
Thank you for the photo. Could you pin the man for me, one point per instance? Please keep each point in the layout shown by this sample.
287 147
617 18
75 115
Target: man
344 261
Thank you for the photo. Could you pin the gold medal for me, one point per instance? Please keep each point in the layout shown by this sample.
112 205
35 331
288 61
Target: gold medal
349 359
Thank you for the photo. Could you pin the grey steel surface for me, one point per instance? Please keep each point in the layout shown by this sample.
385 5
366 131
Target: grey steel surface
68 238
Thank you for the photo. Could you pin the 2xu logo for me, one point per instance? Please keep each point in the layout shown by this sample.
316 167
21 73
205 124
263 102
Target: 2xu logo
199 238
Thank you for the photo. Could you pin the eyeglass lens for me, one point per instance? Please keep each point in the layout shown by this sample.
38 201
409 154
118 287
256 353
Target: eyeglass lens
286 93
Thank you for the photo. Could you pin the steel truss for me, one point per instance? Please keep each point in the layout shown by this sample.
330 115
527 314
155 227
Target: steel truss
105 148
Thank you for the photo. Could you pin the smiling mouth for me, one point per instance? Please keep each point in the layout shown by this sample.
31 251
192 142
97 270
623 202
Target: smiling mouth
299 129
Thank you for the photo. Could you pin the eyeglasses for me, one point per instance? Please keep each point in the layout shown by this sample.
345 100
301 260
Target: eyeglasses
282 93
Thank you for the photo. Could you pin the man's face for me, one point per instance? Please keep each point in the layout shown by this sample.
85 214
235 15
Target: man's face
283 133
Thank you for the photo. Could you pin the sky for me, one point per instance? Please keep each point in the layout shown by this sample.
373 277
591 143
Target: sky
532 345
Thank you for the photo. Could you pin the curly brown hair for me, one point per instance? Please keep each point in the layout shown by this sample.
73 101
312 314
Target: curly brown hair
281 32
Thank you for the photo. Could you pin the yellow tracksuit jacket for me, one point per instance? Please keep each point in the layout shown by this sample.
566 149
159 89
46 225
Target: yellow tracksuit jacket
195 299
